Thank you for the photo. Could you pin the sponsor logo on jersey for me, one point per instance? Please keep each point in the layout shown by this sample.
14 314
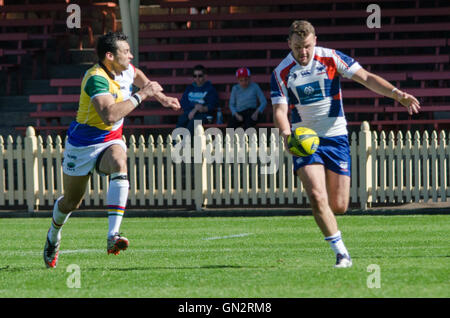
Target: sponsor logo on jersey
305 73
308 90
309 93
320 68
71 166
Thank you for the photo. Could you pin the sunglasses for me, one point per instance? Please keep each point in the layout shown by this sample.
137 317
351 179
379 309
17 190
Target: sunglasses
197 75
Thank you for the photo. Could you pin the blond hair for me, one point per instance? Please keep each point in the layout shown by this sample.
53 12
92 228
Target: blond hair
302 28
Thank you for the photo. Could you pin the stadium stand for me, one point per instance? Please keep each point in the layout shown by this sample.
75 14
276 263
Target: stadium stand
31 25
413 37
54 111
411 50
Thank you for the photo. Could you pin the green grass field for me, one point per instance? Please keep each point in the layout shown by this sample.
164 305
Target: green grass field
227 257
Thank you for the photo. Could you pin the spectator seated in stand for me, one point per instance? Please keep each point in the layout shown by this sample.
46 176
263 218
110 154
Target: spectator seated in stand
247 101
199 100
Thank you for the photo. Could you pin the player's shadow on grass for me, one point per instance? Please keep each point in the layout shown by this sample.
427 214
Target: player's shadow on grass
8 268
125 269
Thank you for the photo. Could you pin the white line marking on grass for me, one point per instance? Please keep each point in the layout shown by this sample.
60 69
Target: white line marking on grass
226 237
81 251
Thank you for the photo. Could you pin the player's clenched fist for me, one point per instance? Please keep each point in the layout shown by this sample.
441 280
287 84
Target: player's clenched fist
171 102
150 89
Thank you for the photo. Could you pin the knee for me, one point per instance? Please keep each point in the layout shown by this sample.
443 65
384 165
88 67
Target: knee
319 200
340 210
67 205
339 207
119 165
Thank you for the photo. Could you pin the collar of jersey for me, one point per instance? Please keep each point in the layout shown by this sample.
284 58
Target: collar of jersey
110 75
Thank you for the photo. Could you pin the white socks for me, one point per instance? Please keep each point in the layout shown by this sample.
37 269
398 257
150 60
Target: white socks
58 220
336 244
116 201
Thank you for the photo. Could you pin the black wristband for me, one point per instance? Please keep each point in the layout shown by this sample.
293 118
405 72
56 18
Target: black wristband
138 98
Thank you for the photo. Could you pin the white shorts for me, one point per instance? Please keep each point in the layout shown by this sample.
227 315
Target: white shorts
80 161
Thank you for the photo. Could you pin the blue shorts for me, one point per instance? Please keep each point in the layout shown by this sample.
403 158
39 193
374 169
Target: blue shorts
333 153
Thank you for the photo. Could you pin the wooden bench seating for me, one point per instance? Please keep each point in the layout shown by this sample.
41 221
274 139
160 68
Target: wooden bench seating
350 30
347 93
386 125
419 75
53 99
15 39
45 10
44 25
176 84
424 108
56 114
268 46
27 8
431 79
406 124
105 8
264 79
232 46
247 3
60 83
435 61
13 44
292 15
418 92
9 69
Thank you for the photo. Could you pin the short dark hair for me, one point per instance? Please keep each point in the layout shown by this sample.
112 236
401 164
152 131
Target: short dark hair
108 43
302 28
200 67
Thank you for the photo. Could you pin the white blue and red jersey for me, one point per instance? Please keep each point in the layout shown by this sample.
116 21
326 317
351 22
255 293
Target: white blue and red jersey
313 92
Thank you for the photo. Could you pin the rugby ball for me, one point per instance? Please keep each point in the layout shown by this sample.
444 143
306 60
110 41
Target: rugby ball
303 142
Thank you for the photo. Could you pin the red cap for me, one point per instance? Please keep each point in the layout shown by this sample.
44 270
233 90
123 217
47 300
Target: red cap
243 72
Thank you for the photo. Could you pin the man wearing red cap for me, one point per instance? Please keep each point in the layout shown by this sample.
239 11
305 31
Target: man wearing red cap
247 101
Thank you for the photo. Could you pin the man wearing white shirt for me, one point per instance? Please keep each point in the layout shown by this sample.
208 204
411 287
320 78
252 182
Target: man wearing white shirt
307 80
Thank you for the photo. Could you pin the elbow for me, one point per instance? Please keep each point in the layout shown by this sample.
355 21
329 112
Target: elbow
108 122
109 119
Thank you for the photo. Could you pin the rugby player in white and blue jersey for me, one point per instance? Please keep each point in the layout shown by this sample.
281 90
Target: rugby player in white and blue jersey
307 81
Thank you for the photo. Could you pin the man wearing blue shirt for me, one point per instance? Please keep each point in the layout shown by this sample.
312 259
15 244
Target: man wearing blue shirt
199 100
247 101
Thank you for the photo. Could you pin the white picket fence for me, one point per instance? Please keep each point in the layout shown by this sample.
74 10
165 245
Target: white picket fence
386 168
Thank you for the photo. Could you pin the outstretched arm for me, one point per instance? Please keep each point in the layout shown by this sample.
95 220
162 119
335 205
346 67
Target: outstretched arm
381 86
